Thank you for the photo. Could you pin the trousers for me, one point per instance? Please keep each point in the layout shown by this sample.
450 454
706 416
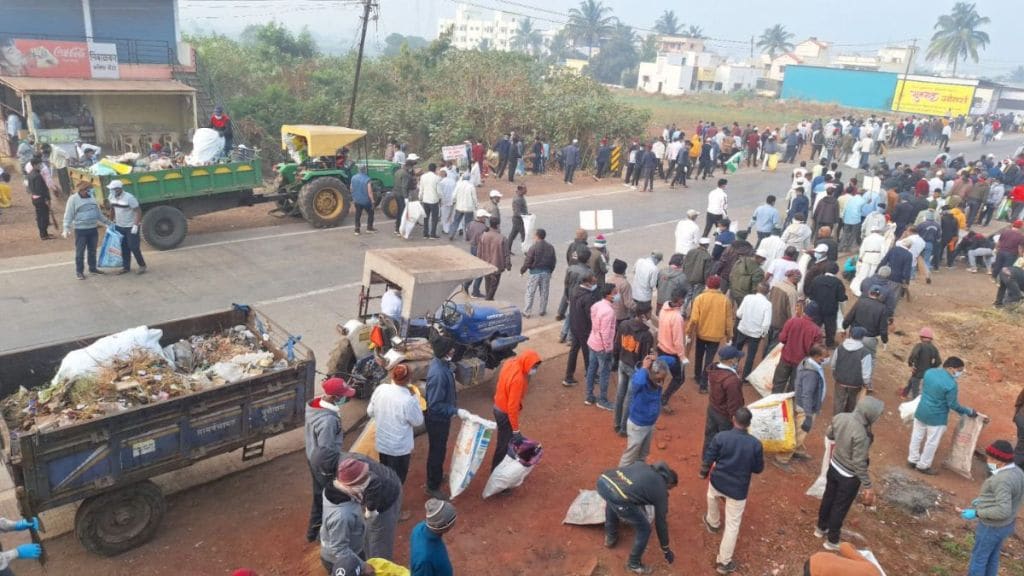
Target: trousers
599 371
713 424
537 283
840 492
400 209
622 397
518 230
462 220
618 510
988 542
400 464
85 249
437 435
733 519
432 215
360 209
678 377
316 511
783 379
42 216
504 437
929 436
578 345
845 398
491 284
638 444
751 344
130 246
379 538
703 360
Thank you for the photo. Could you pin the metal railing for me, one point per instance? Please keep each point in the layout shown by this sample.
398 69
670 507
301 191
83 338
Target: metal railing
129 50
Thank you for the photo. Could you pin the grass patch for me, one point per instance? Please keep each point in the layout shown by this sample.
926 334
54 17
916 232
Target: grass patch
958 549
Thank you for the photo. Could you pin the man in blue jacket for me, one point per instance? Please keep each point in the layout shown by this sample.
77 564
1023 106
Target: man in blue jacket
645 390
938 397
441 407
735 456
626 491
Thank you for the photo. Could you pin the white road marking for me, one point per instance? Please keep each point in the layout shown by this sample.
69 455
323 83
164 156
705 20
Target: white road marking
309 294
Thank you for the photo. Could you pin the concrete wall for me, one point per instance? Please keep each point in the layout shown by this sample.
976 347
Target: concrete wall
854 88
171 111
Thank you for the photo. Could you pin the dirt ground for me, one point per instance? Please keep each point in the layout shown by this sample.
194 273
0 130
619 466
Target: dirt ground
256 518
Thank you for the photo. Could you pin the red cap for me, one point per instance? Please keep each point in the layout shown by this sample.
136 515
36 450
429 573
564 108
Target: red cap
352 471
1018 223
335 386
714 282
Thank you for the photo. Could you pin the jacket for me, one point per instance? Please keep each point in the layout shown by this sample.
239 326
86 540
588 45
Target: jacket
851 432
384 489
870 314
474 232
671 331
37 185
645 398
640 484
602 327
1001 496
852 364
938 397
465 196
746 274
442 401
323 428
574 276
579 315
634 340
83 213
494 250
428 555
901 262
401 184
513 381
923 357
670 279
539 258
826 213
810 387
712 317
726 391
797 336
697 266
736 456
573 250
625 306
828 292
890 295
783 297
342 529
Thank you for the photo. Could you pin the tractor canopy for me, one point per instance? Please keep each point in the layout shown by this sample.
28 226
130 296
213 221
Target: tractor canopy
319 140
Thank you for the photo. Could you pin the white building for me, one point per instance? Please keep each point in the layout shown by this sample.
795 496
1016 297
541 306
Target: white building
735 77
678 73
810 52
473 28
888 59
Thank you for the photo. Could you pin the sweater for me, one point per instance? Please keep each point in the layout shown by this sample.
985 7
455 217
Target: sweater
797 337
852 364
428 555
711 317
671 331
669 280
827 291
635 341
851 432
736 457
938 397
83 213
397 413
871 315
1001 496
810 387
323 427
579 312
645 398
602 327
923 357
726 391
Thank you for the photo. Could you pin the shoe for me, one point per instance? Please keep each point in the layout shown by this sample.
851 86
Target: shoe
477 295
605 405
589 401
97 271
830 546
356 232
121 271
560 317
141 270
397 233
928 471
569 382
622 434
527 316
371 230
928 280
728 568
709 526
818 532
436 494
912 465
561 339
543 314
610 540
80 276
637 569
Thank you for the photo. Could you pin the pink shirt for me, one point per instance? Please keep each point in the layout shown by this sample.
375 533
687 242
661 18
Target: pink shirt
602 327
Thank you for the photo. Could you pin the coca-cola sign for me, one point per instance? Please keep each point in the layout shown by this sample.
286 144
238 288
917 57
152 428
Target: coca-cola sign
44 58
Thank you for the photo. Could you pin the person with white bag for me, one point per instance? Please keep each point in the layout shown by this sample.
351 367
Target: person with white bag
127 217
82 214
513 382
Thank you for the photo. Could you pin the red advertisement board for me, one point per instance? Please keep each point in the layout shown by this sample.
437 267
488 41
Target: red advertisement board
45 59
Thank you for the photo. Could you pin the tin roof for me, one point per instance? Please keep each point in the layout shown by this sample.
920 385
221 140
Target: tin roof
26 84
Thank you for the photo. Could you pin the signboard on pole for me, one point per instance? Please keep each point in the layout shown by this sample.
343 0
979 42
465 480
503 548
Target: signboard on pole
457 152
103 61
932 98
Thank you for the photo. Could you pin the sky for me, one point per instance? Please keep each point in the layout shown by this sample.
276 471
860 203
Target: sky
861 26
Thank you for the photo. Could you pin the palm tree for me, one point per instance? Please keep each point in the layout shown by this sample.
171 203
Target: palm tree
957 36
667 23
590 23
527 38
694 31
1016 75
775 39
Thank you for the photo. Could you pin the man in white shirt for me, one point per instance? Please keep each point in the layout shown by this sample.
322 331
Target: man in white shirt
13 127
778 267
430 196
687 232
755 319
465 205
658 147
718 206
396 411
936 183
798 234
391 303
771 249
673 156
645 278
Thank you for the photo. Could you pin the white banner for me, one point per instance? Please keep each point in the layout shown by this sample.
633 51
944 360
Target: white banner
457 152
103 61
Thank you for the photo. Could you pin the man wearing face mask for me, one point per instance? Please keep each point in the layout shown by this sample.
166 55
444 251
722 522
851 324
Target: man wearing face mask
995 508
324 431
938 397
513 381
441 407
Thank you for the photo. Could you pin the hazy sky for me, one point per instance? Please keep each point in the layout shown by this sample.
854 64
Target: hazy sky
864 25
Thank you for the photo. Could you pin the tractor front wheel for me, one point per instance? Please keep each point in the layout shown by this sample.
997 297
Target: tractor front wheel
325 202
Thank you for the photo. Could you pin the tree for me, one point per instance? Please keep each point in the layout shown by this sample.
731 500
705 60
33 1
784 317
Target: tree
694 31
1016 75
527 38
649 48
273 40
591 23
957 36
394 41
667 23
618 54
774 40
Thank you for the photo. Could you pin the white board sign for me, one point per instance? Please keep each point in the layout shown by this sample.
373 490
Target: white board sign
103 61
457 152
596 220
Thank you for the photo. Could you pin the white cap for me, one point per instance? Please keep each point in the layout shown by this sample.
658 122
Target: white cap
704 241
481 213
821 248
412 158
761 253
691 213
494 194
114 184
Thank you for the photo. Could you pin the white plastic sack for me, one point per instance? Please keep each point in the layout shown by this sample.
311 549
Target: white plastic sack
470 449
907 409
529 221
207 145
85 361
774 422
817 489
870 557
761 377
474 175
412 216
588 510
965 439
509 474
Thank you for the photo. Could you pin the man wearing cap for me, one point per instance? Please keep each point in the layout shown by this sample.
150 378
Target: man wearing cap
712 318
378 490
83 215
127 217
872 314
923 357
495 207
725 393
798 334
938 397
513 382
627 491
732 458
671 278
324 431
599 258
570 159
442 405
428 555
645 278
890 291
396 410
645 390
765 219
718 205
687 233
852 365
798 233
995 508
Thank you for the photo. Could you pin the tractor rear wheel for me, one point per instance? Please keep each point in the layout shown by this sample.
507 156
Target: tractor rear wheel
325 202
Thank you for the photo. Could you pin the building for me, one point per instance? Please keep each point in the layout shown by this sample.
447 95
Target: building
105 71
810 52
736 77
888 59
678 44
474 28
678 73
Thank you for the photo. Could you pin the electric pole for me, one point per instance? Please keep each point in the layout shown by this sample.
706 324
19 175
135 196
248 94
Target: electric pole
906 71
751 49
367 6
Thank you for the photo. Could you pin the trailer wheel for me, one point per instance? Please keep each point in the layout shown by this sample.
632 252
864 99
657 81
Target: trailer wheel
389 205
325 202
117 521
164 227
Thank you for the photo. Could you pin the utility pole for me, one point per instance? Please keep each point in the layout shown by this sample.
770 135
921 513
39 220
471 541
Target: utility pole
367 6
751 49
906 72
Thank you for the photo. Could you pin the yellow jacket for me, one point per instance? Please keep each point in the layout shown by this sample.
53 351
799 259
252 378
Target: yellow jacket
711 317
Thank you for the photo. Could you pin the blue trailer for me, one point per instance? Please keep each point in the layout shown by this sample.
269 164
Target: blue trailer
107 463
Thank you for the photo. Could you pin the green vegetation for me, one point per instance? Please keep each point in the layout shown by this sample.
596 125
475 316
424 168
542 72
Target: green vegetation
775 40
957 35
428 97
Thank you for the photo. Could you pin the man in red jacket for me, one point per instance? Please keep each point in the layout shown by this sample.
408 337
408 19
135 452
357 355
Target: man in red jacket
726 393
513 380
798 334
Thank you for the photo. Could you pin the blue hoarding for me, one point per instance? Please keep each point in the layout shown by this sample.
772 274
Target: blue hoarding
853 88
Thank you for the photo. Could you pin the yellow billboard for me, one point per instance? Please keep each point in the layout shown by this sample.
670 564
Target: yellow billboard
932 98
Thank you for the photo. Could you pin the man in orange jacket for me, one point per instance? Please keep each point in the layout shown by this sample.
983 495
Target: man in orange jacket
513 381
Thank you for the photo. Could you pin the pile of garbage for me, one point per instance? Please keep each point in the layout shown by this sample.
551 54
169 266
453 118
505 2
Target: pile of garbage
130 369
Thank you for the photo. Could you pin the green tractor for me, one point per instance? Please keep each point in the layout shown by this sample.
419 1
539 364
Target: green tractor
315 184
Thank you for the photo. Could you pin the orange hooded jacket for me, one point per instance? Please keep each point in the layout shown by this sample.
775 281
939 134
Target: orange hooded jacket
512 384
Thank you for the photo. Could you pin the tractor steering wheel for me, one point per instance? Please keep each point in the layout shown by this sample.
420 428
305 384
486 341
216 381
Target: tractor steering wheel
450 315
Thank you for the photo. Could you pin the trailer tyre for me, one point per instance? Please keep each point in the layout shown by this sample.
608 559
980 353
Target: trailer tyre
164 227
117 521
325 202
389 205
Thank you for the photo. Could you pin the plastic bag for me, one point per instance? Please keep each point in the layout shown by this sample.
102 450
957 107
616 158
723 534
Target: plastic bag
761 377
470 449
774 422
110 250
514 469
588 510
529 221
817 489
965 439
410 217
85 361
908 408
382 567
207 145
